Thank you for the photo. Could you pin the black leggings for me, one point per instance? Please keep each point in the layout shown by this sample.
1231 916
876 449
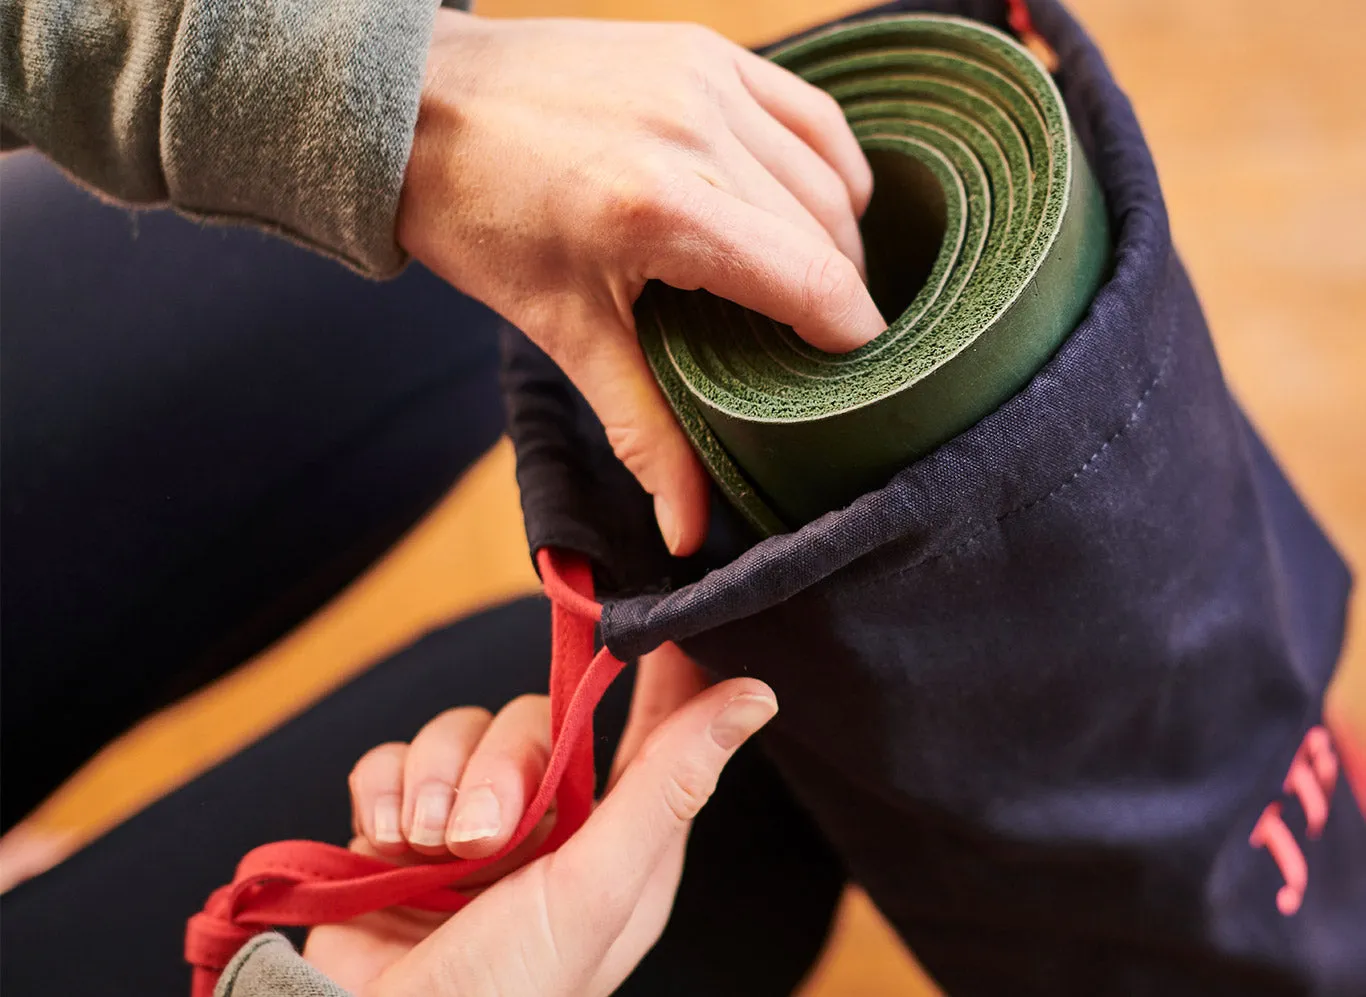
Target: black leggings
206 434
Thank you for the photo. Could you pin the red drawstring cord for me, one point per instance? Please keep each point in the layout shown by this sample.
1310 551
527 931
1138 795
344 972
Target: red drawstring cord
308 882
1017 15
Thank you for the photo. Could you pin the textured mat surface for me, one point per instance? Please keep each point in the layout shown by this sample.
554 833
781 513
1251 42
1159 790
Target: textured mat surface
987 238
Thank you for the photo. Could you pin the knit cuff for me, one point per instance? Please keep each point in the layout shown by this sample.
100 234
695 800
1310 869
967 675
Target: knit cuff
298 117
268 966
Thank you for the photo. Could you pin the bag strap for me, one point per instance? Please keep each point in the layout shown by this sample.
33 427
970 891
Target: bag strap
309 882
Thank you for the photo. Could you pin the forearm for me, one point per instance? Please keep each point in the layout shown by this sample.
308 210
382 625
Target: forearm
291 115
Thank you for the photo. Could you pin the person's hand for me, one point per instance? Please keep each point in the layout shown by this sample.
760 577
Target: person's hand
559 164
575 922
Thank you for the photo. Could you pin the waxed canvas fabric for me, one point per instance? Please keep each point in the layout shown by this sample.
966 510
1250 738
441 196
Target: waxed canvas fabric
1040 688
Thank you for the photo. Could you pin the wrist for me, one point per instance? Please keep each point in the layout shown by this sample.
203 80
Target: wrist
458 45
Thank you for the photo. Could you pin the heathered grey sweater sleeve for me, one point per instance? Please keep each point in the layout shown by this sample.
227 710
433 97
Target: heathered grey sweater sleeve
292 115
268 966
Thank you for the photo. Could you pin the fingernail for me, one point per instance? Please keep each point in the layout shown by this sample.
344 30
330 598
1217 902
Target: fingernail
477 815
429 815
387 831
741 717
669 526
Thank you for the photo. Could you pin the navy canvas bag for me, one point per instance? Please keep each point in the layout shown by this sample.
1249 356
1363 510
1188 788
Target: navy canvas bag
1055 692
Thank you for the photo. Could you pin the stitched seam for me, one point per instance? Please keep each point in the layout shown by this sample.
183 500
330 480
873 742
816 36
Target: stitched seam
1164 365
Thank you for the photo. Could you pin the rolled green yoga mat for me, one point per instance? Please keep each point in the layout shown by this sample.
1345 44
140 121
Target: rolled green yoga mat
987 236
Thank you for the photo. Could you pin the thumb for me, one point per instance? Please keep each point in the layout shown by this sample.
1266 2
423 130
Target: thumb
605 362
666 678
551 926
597 877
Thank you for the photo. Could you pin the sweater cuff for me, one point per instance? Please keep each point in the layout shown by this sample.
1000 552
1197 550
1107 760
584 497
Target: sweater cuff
298 116
268 966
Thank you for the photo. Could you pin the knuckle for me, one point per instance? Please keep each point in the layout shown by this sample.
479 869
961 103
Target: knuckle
528 702
644 203
632 446
460 715
829 286
689 121
698 39
446 729
536 754
828 110
861 189
389 749
831 202
687 791
372 763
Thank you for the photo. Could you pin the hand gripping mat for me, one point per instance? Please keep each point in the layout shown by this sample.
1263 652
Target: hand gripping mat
1053 684
985 216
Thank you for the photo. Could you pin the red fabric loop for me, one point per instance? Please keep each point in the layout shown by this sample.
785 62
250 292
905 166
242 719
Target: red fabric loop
212 940
308 882
568 582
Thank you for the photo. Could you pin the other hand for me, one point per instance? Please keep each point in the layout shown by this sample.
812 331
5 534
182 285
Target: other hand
575 922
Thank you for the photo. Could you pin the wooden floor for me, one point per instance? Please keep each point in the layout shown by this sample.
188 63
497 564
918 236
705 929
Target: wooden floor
1257 118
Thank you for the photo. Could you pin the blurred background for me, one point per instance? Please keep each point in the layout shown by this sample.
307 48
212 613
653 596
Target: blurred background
1257 119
